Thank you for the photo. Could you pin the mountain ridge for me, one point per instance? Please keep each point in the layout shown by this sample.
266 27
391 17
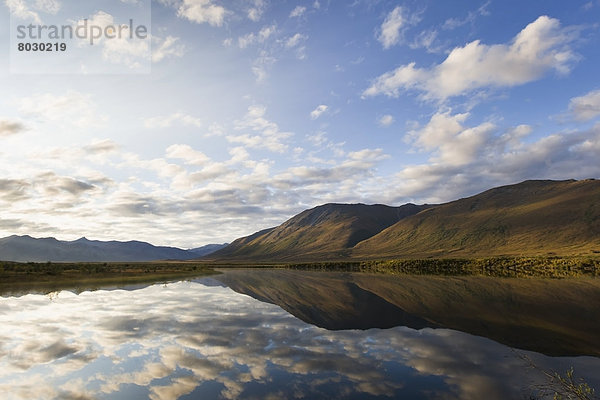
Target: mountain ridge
533 217
26 248
326 231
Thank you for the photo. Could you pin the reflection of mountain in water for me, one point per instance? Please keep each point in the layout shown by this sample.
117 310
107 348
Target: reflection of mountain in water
554 317
365 310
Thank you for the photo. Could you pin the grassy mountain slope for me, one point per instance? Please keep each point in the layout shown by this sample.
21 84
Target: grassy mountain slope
529 218
323 232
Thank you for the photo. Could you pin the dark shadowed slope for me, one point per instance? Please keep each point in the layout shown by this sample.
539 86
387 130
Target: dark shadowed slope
529 218
323 232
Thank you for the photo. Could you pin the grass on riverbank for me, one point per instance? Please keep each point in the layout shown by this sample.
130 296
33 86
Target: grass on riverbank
514 267
14 276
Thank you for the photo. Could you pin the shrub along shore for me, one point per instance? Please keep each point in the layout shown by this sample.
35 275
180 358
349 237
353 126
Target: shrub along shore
505 267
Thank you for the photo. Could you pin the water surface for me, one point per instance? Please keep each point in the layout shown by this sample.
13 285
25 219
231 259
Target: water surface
203 340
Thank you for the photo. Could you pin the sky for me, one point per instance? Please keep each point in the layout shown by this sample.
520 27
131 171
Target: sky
232 116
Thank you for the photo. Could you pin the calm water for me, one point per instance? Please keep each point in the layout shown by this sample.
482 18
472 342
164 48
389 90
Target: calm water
203 340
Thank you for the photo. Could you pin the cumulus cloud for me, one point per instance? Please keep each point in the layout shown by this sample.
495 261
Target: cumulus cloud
541 46
72 108
30 9
452 143
295 40
317 112
123 50
386 120
345 174
267 135
469 159
256 10
167 47
390 31
202 11
187 153
298 11
259 37
586 107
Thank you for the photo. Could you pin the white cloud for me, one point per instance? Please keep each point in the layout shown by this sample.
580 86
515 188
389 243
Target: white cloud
452 143
386 120
466 160
167 47
71 108
101 19
202 11
586 107
260 37
215 130
426 40
21 9
188 154
540 47
298 11
390 28
101 147
453 23
168 121
47 6
257 10
317 112
261 64
132 52
295 40
268 134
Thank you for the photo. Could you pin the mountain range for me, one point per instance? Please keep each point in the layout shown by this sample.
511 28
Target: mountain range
26 249
326 231
539 217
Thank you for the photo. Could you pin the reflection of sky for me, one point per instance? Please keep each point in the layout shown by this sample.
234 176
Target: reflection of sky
187 340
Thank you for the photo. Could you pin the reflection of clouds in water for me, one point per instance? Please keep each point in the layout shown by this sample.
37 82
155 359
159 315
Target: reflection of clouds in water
169 341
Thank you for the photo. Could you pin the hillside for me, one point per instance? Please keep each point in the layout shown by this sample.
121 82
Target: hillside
526 219
27 248
529 218
207 249
324 232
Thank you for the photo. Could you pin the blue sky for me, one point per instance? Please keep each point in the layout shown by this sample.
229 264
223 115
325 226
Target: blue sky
235 115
